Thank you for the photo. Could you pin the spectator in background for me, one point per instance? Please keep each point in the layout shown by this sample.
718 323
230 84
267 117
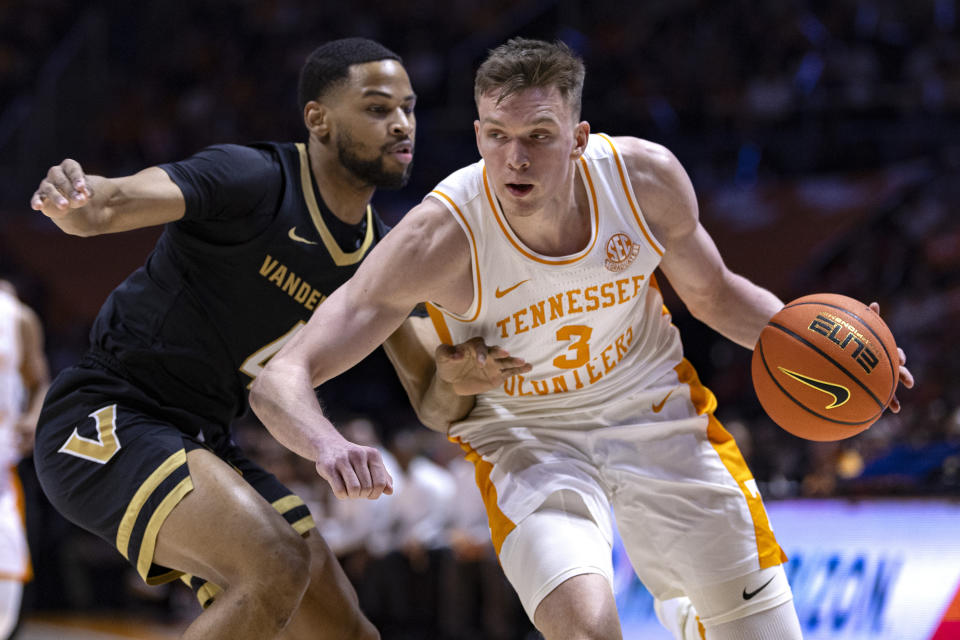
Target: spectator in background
23 383
477 597
408 576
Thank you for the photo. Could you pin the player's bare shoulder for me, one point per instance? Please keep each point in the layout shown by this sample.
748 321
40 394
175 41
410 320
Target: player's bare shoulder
661 185
431 226
432 249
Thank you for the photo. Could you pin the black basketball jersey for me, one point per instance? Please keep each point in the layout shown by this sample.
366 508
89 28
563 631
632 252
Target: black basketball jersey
226 286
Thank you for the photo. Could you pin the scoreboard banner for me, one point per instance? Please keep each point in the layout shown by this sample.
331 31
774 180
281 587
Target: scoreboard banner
870 569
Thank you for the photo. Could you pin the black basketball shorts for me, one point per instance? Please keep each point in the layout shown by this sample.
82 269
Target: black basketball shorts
111 460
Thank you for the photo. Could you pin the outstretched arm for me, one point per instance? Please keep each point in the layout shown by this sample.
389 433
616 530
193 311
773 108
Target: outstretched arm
727 302
88 205
442 380
424 258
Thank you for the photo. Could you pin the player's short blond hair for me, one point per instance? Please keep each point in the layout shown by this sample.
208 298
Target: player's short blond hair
522 63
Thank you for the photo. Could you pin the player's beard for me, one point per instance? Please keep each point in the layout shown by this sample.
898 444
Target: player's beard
372 172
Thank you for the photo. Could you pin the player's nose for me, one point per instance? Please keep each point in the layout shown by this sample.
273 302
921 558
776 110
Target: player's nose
517 157
402 125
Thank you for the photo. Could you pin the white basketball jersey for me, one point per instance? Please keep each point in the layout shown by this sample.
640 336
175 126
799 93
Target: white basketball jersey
11 385
592 324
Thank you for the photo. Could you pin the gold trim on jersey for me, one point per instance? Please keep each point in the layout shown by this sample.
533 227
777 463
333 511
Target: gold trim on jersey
286 503
629 193
500 524
439 323
142 495
770 553
478 289
656 285
508 232
149 542
209 591
290 502
340 258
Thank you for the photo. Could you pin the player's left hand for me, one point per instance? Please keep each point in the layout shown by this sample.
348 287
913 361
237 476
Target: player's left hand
472 367
353 471
906 378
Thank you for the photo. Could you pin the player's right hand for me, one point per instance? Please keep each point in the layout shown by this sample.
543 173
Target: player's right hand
354 471
472 367
65 188
904 376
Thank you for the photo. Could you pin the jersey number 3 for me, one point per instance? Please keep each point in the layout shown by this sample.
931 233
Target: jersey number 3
579 337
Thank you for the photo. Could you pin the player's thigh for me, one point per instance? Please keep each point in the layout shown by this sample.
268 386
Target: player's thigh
330 607
556 542
110 467
280 498
690 516
109 461
224 530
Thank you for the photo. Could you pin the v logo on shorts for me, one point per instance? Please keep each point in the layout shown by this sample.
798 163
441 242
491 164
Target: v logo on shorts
296 238
659 406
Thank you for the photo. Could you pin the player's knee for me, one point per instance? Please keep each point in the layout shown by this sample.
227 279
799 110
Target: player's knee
742 598
292 561
582 608
283 575
585 625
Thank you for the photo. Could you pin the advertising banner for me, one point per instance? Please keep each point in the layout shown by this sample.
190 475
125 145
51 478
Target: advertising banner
877 570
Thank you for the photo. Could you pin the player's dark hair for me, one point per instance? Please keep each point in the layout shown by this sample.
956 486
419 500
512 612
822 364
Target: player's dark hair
522 63
329 64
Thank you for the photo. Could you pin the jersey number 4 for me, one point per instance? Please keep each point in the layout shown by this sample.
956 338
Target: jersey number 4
257 360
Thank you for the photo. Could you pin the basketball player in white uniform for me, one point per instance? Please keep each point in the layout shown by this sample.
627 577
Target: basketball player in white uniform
547 248
23 381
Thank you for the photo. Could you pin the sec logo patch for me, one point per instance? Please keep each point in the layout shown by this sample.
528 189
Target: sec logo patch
621 252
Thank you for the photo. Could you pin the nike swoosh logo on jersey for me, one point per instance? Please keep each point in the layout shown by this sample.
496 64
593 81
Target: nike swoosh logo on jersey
293 236
657 407
749 594
839 392
504 292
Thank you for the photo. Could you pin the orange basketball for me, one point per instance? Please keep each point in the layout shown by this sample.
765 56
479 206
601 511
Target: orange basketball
825 367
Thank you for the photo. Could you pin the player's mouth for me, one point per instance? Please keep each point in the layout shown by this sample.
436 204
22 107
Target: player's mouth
519 189
402 151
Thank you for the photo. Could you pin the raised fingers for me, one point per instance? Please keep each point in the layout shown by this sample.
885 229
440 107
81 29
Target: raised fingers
64 188
512 366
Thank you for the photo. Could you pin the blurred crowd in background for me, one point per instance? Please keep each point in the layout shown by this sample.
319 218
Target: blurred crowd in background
823 139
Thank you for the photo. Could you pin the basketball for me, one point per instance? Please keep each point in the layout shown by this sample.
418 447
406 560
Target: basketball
825 367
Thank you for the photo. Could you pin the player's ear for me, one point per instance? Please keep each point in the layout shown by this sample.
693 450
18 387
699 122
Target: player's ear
581 135
476 132
317 119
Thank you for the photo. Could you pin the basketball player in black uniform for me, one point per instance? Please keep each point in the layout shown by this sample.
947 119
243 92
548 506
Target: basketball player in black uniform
133 442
